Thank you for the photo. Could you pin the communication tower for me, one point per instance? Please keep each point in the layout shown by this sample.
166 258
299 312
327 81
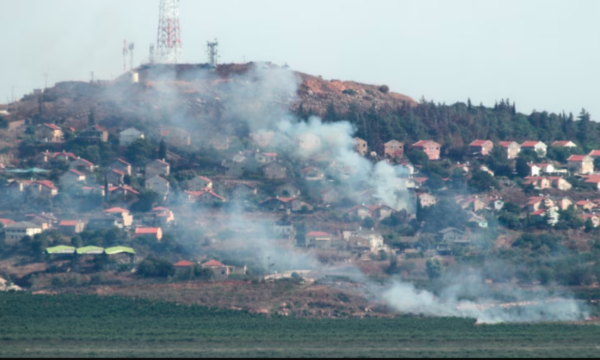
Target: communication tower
212 50
125 53
169 49
131 47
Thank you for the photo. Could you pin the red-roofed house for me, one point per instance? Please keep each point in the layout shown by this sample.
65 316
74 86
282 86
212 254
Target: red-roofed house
184 264
586 205
481 147
394 149
581 164
538 182
63 156
536 146
593 179
592 217
560 183
123 215
564 144
121 165
534 203
265 158
121 192
220 271
199 183
430 147
150 231
318 239
205 196
49 133
71 227
82 165
285 203
359 211
115 177
94 133
157 168
42 188
71 179
511 149
6 222
594 153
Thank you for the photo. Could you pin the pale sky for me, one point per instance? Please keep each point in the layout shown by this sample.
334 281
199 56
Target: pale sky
543 54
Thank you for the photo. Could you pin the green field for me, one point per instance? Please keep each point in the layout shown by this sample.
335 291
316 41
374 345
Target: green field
89 326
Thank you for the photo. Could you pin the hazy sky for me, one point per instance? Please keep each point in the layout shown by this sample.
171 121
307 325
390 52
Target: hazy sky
543 54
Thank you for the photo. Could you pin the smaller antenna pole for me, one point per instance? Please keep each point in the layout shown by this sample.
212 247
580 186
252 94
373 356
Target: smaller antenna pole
45 81
152 52
212 50
125 53
131 47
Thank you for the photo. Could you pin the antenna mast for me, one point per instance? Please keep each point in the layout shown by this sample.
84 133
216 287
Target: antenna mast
131 47
212 49
169 49
125 53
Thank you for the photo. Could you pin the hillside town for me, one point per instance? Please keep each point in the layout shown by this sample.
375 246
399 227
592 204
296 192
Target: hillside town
121 195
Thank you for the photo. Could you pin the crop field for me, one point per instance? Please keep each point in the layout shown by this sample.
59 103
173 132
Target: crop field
92 326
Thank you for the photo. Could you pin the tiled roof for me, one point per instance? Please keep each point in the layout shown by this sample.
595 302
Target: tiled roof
479 142
6 222
530 143
205 191
535 200
47 183
577 158
213 263
562 143
68 223
595 153
539 212
52 126
317 233
116 210
144 231
423 143
270 154
118 172
77 172
593 179
506 143
85 161
160 208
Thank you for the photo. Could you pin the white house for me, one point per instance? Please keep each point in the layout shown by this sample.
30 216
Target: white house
126 137
72 178
159 185
16 232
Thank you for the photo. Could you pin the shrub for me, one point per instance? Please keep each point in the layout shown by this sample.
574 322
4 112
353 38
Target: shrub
151 267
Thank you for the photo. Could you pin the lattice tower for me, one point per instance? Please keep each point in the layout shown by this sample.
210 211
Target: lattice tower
169 49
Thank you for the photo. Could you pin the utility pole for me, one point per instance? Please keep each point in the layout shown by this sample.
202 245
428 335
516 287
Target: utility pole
45 81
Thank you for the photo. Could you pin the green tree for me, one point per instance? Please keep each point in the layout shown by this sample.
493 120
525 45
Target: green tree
162 149
418 157
368 223
3 123
482 181
151 267
435 182
435 269
140 151
522 167
147 199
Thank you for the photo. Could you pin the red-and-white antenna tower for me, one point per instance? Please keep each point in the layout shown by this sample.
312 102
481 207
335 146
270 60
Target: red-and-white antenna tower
169 49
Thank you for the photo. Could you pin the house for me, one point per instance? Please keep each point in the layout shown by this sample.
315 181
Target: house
537 202
94 133
274 171
49 133
243 190
288 190
360 211
594 154
312 173
536 146
126 137
481 147
592 217
381 212
205 196
15 232
451 235
318 239
199 183
431 148
581 164
366 240
158 185
159 217
265 158
71 228
123 192
5 222
511 149
122 166
42 188
534 170
71 179
220 271
235 166
289 204
157 168
426 199
115 177
82 165
284 228
44 220
538 182
43 159
564 144
393 149
63 157
122 215
586 205
361 146
560 183
498 204
564 203
153 232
